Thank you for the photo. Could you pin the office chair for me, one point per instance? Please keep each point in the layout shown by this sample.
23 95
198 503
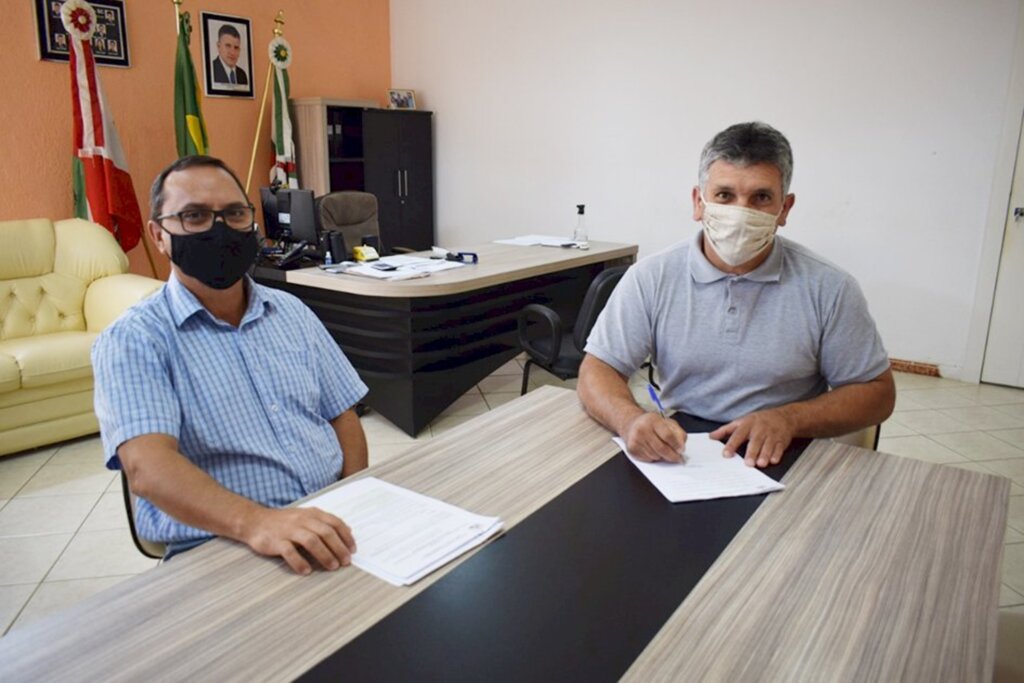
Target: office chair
560 354
354 215
864 438
147 548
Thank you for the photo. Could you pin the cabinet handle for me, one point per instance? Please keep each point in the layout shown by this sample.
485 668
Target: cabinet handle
405 174
399 174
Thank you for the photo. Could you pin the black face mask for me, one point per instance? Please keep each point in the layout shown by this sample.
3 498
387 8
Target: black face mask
218 257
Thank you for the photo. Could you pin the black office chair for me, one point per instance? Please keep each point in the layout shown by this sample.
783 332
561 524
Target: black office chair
146 547
540 330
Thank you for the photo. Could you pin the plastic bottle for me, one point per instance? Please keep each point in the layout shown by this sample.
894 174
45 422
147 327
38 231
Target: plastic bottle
579 235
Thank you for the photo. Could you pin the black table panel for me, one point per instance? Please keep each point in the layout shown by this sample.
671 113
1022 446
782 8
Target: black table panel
577 589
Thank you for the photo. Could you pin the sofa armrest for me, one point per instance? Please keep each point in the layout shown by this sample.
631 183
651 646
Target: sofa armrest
109 297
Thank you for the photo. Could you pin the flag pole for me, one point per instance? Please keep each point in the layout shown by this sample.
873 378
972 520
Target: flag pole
278 23
177 14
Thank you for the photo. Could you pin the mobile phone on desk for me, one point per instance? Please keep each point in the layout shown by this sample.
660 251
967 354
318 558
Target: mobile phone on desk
380 265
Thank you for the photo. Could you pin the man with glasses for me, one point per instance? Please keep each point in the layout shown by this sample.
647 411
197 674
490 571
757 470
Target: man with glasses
745 327
223 400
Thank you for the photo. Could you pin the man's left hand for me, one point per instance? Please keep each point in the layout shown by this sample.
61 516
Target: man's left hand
767 432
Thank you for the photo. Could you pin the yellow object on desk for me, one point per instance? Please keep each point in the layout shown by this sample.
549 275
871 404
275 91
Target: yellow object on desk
365 253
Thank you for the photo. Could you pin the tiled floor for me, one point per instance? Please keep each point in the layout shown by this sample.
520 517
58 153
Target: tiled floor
64 535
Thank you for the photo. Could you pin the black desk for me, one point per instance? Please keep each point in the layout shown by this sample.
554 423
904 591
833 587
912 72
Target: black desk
582 585
421 344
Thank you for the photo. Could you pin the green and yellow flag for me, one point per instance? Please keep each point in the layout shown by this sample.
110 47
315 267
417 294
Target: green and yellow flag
189 129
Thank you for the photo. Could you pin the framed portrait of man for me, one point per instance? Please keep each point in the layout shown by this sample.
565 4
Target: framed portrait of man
227 55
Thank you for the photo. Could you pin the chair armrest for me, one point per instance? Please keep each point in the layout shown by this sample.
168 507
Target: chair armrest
109 297
552 324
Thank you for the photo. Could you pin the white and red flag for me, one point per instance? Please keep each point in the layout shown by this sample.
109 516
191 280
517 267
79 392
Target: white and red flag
102 185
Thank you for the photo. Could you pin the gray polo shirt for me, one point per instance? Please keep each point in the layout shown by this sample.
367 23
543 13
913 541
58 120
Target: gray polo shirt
727 345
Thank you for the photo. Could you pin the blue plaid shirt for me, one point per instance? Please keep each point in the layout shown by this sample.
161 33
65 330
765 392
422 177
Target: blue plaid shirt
251 406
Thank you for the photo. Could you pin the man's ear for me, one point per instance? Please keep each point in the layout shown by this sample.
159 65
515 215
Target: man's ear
156 234
698 204
787 204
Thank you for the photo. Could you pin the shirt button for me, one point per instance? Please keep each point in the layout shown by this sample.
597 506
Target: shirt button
274 408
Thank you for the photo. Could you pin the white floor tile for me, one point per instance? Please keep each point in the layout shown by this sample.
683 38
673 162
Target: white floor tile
46 514
109 513
26 559
1013 566
983 417
940 398
470 403
503 383
1014 410
994 395
932 422
87 449
379 430
12 600
1014 437
513 367
54 596
1009 597
80 477
978 446
893 427
919 448
1015 514
906 380
16 470
1012 535
94 554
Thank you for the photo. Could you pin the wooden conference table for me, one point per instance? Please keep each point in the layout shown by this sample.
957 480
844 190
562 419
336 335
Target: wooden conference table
867 567
420 344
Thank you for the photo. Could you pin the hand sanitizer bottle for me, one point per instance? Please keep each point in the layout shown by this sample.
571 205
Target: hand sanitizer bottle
579 235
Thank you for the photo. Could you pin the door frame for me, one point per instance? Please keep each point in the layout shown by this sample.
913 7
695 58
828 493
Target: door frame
996 216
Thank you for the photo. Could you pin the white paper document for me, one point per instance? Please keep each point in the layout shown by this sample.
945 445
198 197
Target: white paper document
401 536
705 474
406 268
542 240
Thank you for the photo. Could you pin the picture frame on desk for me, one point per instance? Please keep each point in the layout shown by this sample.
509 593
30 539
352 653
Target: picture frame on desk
227 55
401 99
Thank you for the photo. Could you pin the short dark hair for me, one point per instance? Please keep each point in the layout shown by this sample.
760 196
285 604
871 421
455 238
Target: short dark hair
229 30
156 193
746 144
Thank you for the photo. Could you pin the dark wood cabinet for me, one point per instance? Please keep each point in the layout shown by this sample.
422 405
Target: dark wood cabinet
389 153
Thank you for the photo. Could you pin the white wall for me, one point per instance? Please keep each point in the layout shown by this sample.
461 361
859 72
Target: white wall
893 107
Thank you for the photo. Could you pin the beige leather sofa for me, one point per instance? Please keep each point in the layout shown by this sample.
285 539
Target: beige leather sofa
61 283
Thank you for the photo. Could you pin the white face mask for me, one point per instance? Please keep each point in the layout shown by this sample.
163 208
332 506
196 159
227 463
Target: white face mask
736 233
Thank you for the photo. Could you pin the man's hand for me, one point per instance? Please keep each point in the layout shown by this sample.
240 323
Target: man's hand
289 532
767 432
650 438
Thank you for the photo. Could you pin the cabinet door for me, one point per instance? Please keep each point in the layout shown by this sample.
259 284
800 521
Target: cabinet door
382 169
417 164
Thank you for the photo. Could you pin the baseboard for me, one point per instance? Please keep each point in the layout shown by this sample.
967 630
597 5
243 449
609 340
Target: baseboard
914 368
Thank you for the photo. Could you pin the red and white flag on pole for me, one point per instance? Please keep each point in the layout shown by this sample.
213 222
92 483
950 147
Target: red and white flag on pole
102 185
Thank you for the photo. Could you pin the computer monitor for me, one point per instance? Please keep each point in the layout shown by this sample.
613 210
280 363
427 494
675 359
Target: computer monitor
271 227
295 211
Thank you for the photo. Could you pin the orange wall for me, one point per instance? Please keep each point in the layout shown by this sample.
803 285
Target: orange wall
341 49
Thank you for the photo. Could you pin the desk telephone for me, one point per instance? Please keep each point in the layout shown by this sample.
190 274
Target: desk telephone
293 258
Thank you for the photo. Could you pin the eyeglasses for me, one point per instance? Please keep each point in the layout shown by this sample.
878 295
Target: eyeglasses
239 218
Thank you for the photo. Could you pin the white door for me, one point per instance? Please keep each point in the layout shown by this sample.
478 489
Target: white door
1004 351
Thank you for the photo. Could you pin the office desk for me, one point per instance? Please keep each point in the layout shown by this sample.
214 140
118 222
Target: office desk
420 344
867 567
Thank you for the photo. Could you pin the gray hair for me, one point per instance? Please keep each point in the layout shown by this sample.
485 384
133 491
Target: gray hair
746 144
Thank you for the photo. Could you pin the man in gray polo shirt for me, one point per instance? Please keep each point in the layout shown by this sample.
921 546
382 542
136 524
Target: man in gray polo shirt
745 327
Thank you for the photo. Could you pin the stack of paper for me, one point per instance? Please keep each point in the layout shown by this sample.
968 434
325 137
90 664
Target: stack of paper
705 474
401 536
542 240
406 267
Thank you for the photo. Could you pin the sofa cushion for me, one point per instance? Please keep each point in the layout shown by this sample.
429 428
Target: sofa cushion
10 374
86 251
41 305
51 358
28 248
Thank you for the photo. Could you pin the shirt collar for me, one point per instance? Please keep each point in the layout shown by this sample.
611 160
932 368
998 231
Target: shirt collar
184 304
703 271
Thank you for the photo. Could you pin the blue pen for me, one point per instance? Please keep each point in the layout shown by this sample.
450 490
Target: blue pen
657 401
661 409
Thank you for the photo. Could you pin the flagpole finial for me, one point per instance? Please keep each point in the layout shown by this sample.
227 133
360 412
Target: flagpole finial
279 23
